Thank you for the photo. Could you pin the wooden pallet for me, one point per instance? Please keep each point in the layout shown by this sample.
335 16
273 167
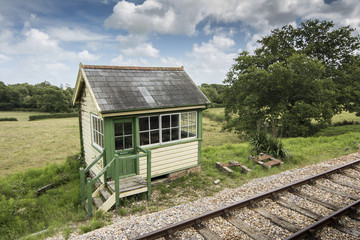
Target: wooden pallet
225 166
267 161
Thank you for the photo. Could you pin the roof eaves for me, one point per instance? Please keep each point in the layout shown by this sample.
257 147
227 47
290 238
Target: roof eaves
152 110
200 105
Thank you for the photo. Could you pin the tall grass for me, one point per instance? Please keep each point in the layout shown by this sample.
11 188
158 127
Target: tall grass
212 129
23 213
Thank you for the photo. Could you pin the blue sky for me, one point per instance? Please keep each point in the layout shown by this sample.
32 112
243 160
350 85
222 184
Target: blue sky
45 40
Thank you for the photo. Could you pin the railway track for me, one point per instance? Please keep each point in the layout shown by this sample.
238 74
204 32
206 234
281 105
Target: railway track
325 206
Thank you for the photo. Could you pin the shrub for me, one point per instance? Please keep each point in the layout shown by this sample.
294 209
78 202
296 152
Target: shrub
56 115
7 119
261 142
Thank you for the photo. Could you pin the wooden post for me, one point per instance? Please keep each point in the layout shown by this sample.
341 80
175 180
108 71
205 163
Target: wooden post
117 180
89 196
148 173
82 185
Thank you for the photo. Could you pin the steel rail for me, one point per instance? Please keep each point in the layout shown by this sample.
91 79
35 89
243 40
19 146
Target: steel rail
308 231
224 211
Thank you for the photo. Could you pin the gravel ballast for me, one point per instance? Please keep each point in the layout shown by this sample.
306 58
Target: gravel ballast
131 226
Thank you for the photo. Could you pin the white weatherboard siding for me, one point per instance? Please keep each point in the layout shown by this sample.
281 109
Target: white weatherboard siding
171 159
88 106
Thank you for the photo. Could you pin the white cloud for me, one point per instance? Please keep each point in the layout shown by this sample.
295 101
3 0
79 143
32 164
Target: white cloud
211 60
136 45
56 67
86 56
39 56
175 17
142 50
75 35
252 43
182 16
4 58
32 41
120 61
346 12
131 40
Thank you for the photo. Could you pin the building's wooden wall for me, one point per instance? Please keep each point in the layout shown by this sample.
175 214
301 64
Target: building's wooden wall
87 107
170 159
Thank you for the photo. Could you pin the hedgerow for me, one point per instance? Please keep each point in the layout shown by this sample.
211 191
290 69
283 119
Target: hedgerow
56 115
7 119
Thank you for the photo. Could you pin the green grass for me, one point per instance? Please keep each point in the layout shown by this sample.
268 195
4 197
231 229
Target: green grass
345 116
338 130
23 213
30 144
212 129
99 220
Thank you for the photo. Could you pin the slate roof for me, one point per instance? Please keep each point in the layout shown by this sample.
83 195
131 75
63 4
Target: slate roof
119 89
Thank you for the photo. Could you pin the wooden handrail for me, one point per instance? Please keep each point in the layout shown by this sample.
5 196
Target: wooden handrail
116 161
95 161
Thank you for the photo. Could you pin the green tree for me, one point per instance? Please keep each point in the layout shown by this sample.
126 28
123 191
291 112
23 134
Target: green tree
214 92
51 99
5 97
286 96
297 75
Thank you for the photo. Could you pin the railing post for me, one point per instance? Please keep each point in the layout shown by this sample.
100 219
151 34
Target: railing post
148 173
117 180
104 164
82 185
89 196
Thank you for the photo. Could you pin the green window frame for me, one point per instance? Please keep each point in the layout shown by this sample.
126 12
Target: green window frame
97 132
167 128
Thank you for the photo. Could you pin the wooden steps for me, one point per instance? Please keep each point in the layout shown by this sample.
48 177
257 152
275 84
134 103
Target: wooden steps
104 196
128 184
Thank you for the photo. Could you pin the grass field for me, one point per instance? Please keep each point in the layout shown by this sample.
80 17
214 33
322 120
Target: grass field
29 144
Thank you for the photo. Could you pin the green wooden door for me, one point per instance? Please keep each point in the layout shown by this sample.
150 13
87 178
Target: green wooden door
124 145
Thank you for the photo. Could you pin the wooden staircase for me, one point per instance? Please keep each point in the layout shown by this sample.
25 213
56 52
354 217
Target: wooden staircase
104 197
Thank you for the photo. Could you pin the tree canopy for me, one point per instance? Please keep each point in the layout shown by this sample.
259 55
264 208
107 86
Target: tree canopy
296 76
214 92
43 97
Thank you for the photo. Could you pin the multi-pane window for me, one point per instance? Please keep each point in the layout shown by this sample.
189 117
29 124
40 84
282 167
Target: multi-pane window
97 131
149 130
188 125
167 128
123 135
